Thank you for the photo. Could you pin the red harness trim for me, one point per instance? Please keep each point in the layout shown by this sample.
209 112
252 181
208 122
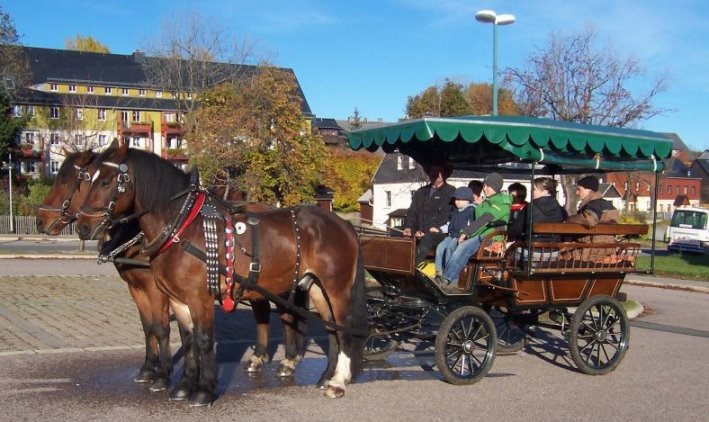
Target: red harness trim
201 197
228 302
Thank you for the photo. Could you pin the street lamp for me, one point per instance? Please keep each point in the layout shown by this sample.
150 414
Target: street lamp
489 16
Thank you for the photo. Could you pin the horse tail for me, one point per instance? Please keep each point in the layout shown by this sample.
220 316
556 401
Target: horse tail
358 321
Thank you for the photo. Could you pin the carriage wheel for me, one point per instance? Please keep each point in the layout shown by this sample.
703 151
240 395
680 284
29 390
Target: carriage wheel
379 346
510 336
598 335
465 345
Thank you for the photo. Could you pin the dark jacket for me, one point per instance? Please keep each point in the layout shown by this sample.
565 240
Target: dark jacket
594 210
459 219
544 210
426 212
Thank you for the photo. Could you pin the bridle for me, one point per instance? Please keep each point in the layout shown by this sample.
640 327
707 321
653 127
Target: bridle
64 216
122 179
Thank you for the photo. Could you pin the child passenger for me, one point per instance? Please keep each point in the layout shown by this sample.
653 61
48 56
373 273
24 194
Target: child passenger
460 217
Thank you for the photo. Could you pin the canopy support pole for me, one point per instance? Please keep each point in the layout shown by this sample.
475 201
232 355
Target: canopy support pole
654 221
530 224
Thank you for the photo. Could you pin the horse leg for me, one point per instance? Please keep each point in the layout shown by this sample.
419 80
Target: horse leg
321 304
161 329
146 374
262 314
293 335
190 373
203 320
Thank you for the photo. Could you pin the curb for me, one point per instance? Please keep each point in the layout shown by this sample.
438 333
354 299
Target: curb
46 256
673 286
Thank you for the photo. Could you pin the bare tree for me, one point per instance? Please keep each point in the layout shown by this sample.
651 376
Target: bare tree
192 55
572 80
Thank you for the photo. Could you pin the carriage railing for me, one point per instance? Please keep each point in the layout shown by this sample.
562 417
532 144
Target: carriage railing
604 248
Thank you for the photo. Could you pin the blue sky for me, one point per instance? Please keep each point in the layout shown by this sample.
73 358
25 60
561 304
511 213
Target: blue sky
373 54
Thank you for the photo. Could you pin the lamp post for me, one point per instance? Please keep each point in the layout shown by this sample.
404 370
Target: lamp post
12 219
489 16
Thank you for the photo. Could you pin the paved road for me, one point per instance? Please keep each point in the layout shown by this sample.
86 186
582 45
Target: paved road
69 345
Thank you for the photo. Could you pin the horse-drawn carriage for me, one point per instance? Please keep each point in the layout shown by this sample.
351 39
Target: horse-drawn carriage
507 287
243 252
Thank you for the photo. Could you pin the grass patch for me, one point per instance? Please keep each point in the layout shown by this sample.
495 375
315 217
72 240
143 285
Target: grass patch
687 266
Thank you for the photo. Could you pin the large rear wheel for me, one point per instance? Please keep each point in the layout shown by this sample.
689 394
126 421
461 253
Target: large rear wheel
511 338
465 345
598 335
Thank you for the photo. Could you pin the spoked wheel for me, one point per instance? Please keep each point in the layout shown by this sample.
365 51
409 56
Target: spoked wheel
510 336
465 345
379 346
598 335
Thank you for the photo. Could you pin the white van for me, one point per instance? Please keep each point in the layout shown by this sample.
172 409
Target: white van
688 230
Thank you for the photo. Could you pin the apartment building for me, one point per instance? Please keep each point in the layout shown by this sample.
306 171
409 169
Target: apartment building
80 100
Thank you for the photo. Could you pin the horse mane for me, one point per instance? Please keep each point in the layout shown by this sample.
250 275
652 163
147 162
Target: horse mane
156 180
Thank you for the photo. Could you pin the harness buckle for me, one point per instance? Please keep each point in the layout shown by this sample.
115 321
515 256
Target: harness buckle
254 267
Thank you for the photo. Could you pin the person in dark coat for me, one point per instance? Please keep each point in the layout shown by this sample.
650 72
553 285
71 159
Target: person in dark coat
429 210
545 209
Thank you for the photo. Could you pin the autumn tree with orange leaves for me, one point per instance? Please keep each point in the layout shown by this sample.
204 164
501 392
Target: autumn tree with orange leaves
255 130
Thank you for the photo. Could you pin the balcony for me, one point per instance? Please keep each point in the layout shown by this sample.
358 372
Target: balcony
27 151
171 129
135 128
174 154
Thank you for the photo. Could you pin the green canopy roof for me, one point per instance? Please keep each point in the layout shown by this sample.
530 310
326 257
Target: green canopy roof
476 141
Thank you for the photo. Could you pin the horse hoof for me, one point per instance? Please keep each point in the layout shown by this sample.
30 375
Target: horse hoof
144 376
180 393
202 398
322 384
254 367
334 392
160 384
284 371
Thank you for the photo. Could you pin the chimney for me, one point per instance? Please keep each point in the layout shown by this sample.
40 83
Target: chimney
138 56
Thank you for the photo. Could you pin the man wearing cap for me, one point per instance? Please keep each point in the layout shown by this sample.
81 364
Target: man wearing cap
460 217
495 207
429 210
593 208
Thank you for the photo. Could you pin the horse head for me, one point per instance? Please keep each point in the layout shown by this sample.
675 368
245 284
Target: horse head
68 192
110 194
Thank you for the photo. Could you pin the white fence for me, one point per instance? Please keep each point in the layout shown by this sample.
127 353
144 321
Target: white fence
27 225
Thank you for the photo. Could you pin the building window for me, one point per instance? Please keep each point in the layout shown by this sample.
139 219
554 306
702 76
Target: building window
170 117
54 113
125 91
102 114
29 138
660 190
677 189
79 140
90 89
29 166
17 110
124 115
388 198
30 112
141 92
53 87
54 138
79 114
136 116
108 90
54 167
72 88
412 163
189 97
102 140
135 142
400 163
158 94
174 94
694 190
685 190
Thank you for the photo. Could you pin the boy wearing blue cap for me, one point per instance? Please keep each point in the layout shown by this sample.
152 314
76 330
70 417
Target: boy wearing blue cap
460 217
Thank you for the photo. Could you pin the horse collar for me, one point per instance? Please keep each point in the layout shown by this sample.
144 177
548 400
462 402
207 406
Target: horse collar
174 236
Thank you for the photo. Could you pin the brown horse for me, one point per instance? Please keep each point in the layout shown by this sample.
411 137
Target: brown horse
59 209
304 248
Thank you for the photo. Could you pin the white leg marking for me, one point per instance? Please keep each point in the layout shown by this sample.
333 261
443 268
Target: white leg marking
342 375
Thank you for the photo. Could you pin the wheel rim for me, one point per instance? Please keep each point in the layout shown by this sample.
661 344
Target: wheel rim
510 337
468 347
601 337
